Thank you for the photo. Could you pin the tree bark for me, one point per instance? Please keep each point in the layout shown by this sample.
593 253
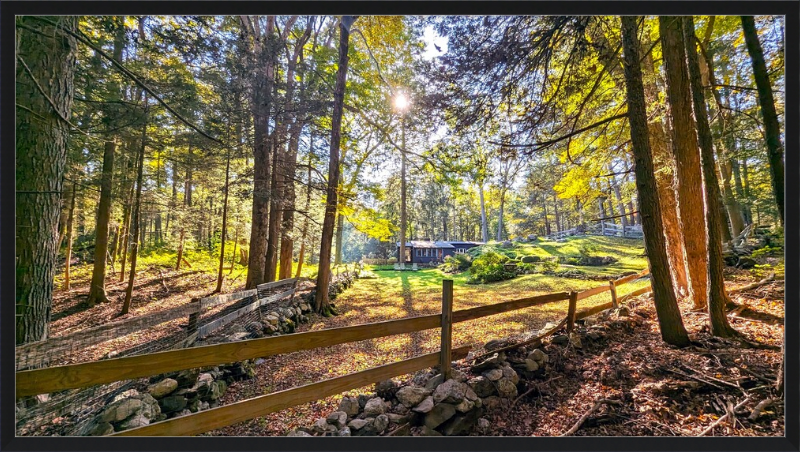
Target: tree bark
717 298
262 80
275 209
687 159
224 222
669 316
97 288
136 216
484 220
301 255
772 129
322 303
70 220
41 140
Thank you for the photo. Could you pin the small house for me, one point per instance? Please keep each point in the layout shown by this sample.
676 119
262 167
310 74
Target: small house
433 252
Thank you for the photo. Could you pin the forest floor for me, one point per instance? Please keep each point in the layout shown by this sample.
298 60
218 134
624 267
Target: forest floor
636 357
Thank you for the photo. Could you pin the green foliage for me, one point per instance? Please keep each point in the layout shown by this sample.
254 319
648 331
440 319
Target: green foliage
530 259
587 249
488 267
456 263
766 251
549 265
526 268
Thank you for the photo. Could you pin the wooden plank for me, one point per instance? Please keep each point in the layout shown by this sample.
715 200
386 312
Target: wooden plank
210 302
94 335
629 278
234 413
447 328
636 293
591 292
573 306
586 312
482 311
210 327
274 284
51 379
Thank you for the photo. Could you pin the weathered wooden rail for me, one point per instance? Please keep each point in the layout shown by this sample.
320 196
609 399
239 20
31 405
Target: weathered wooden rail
58 378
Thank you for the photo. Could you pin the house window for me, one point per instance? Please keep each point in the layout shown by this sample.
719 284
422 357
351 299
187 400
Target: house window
418 252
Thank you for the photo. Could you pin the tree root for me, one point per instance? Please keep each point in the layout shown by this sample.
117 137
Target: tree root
586 415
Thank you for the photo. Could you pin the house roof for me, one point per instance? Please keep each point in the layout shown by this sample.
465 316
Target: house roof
436 244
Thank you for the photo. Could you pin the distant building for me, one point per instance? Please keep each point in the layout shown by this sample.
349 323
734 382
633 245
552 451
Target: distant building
432 252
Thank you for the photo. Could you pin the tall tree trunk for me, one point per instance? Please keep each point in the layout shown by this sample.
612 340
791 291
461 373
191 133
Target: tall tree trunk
484 220
275 210
262 79
322 303
666 182
546 220
136 216
772 129
70 220
224 221
747 214
500 218
41 140
97 289
687 158
717 298
337 259
403 197
301 255
556 214
669 316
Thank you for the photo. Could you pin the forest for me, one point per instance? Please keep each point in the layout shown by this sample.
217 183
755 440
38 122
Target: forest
168 160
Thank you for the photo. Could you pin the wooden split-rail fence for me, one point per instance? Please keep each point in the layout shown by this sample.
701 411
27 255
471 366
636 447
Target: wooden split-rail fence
39 381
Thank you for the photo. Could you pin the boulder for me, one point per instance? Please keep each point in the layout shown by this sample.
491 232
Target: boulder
272 319
509 373
337 418
204 384
380 423
483 425
493 375
494 344
482 386
439 414
386 389
427 431
410 396
350 406
506 389
320 425
465 406
531 365
374 407
461 424
434 381
493 361
398 418
470 394
299 433
121 410
451 391
362 400
162 388
561 339
425 406
357 424
172 403
101 429
137 420
345 431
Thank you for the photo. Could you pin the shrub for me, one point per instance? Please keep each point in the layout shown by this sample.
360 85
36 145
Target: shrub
766 251
587 250
530 259
526 268
392 260
488 267
456 263
549 265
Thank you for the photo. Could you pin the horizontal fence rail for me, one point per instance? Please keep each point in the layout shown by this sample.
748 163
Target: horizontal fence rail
208 328
51 379
223 416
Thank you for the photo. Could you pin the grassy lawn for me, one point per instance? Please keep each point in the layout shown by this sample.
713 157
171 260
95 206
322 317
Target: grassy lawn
396 294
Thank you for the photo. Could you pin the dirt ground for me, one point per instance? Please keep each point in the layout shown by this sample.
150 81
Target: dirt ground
664 390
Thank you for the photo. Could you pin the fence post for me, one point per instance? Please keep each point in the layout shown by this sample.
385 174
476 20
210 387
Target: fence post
192 326
571 312
447 328
613 287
